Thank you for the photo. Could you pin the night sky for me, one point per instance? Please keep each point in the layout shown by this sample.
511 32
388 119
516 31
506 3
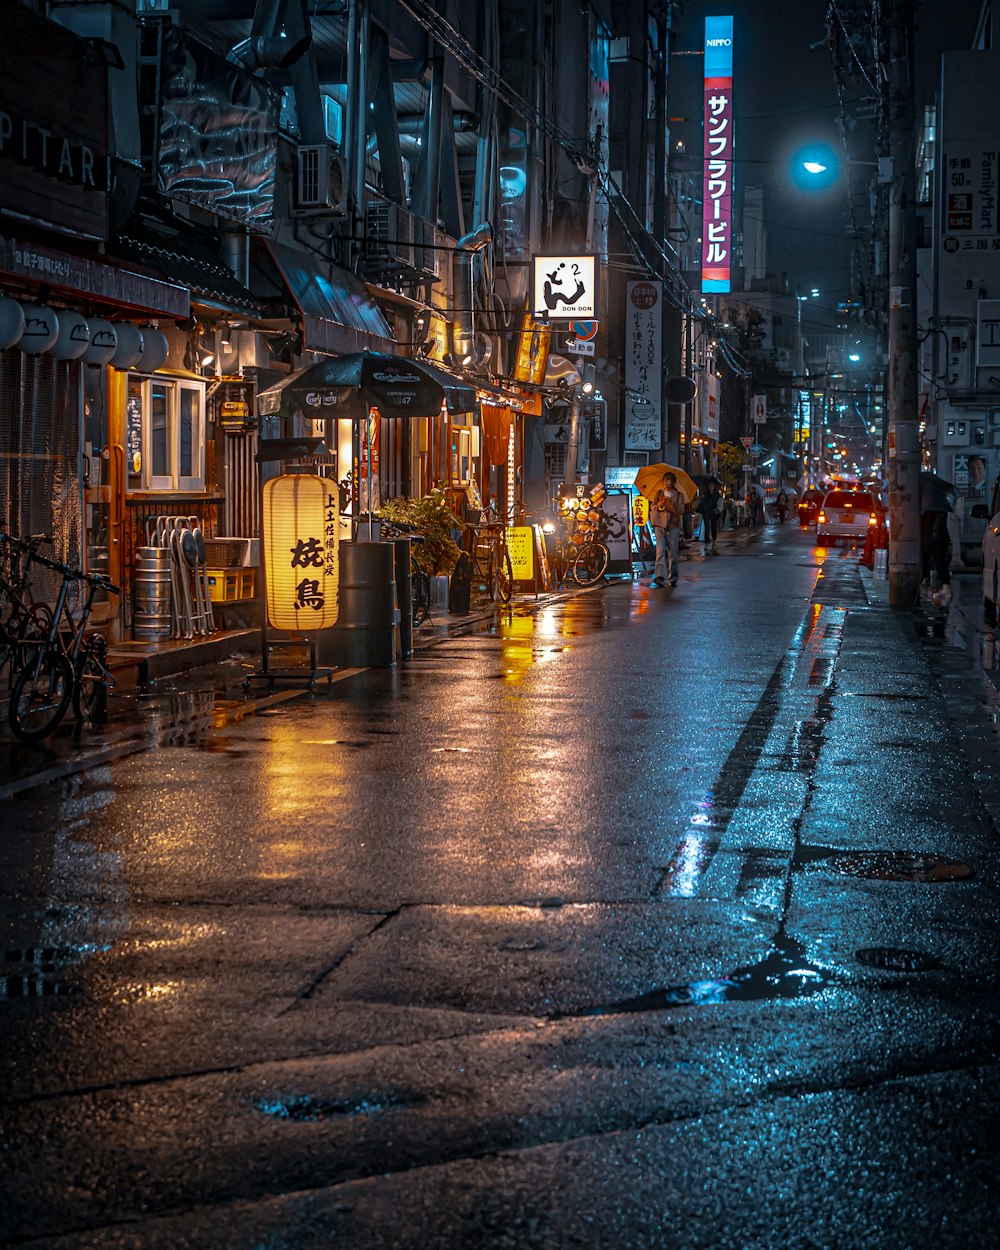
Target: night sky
786 97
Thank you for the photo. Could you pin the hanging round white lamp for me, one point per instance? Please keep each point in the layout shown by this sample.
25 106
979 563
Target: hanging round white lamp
73 338
11 322
41 329
103 343
155 346
129 347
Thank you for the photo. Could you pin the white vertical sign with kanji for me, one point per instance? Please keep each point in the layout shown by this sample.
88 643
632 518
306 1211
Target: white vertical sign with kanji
643 366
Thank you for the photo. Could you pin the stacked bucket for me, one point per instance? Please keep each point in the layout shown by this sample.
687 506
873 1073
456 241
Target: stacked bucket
152 593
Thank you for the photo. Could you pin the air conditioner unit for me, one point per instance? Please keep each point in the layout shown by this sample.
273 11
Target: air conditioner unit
388 235
320 183
426 259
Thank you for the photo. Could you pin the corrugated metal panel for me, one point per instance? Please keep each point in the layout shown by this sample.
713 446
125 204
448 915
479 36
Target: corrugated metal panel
40 487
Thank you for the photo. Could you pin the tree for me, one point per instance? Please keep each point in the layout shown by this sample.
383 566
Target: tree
730 460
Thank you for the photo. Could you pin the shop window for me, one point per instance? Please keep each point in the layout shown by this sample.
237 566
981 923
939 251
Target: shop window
165 434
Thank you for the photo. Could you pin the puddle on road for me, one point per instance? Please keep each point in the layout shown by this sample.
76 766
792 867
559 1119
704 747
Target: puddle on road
306 1108
785 972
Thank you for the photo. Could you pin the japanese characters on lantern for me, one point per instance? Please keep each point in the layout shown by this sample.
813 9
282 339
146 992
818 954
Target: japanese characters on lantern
300 523
717 191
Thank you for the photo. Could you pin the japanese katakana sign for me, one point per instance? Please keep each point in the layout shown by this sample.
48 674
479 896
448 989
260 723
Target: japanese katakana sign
565 287
717 196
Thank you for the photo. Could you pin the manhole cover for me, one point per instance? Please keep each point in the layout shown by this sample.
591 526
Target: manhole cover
896 959
899 866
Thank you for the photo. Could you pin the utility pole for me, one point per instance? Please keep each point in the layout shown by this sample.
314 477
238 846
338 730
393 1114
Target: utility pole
901 400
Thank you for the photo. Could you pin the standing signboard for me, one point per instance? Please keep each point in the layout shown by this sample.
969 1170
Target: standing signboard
643 366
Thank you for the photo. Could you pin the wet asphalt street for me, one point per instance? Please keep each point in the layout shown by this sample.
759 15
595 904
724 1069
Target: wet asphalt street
644 918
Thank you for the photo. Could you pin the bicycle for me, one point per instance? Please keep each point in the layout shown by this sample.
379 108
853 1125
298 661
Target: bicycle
21 619
490 560
420 585
593 554
70 664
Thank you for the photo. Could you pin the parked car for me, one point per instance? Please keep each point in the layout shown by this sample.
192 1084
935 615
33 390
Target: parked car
809 505
848 514
991 552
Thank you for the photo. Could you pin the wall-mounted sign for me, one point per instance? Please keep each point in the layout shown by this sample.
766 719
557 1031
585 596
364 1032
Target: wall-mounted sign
643 371
988 332
565 287
532 351
758 409
716 247
53 127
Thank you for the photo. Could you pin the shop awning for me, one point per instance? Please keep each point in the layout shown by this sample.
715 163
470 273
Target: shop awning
338 314
459 395
83 278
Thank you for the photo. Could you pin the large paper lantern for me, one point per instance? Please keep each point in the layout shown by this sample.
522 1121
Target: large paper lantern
11 322
300 526
73 338
41 329
103 343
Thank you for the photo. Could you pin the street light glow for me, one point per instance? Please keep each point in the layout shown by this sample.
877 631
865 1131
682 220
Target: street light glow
813 167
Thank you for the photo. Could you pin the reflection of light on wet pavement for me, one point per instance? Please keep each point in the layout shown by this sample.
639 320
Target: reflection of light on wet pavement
687 864
142 991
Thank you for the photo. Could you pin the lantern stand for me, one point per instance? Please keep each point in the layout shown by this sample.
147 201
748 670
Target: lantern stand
293 454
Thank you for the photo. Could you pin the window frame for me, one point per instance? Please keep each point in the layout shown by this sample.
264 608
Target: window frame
174 388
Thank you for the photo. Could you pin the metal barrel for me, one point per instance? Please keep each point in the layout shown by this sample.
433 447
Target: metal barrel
151 593
365 633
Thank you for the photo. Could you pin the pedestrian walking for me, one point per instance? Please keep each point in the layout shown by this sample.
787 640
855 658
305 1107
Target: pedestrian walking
665 516
710 506
781 506
935 553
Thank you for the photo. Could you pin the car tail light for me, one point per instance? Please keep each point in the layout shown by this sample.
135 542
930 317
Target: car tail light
873 519
821 517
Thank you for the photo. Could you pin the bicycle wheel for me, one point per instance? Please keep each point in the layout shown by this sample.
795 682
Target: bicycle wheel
502 576
40 697
421 593
90 690
590 564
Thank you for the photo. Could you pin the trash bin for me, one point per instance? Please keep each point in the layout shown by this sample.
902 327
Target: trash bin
460 588
366 629
404 596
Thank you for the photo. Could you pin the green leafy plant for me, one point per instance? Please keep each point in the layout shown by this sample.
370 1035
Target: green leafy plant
431 517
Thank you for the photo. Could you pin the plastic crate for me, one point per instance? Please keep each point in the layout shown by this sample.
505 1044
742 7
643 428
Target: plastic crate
227 585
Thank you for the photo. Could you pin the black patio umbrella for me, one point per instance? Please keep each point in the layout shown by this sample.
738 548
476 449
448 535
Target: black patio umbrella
348 386
936 495
703 479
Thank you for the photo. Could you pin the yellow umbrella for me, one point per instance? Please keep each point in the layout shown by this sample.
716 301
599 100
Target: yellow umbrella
650 479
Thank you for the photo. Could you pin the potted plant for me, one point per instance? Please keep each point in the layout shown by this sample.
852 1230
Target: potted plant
431 517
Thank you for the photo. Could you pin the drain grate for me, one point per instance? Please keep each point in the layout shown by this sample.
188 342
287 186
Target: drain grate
899 866
896 959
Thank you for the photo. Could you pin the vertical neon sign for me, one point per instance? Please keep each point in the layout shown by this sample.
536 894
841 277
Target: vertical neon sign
717 188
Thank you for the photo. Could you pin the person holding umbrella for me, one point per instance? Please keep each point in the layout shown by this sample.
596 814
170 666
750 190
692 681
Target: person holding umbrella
665 516
937 499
